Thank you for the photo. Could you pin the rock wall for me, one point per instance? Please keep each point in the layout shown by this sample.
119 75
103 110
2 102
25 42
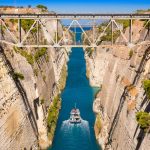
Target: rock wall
120 76
24 103
15 126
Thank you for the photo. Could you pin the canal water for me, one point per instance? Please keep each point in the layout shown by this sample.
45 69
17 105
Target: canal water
77 90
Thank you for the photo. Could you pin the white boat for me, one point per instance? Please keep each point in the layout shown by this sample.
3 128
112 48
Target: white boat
75 116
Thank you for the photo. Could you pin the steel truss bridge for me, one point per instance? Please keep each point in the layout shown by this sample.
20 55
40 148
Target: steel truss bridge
20 38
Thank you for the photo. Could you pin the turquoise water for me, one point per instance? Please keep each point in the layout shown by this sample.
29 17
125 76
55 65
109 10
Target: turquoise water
77 90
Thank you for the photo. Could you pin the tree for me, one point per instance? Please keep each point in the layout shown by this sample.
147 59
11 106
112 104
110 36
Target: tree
143 119
146 85
42 7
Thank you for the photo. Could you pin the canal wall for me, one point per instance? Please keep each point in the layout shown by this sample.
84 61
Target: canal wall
120 74
29 80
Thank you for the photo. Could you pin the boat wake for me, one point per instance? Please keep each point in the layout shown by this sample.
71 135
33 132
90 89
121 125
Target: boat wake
84 125
75 133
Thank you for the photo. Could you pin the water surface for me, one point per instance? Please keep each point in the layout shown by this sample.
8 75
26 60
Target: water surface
77 90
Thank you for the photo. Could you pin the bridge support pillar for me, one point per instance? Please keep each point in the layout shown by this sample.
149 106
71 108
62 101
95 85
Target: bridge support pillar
37 32
112 32
147 26
56 40
148 29
93 31
130 32
19 30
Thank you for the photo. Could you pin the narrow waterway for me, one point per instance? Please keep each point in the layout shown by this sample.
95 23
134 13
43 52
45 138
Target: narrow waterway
77 90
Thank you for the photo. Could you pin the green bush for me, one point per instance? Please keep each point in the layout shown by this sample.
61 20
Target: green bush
100 29
42 7
102 26
42 101
98 124
63 76
17 75
2 28
98 121
47 58
24 53
130 53
146 25
30 58
40 53
36 72
89 51
108 36
53 116
143 119
125 23
142 11
13 21
146 85
16 49
26 24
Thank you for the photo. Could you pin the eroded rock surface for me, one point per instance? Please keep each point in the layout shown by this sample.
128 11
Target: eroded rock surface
120 76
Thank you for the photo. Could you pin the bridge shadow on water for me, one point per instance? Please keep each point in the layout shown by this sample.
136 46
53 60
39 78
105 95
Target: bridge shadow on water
77 90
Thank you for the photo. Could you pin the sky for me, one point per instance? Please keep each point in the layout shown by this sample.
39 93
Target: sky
84 6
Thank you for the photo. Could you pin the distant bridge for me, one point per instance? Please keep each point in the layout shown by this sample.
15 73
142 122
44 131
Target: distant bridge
21 39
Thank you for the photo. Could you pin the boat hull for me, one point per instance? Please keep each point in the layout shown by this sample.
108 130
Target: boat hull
75 122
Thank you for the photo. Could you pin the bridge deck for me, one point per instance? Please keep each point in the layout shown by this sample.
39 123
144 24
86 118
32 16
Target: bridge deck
78 16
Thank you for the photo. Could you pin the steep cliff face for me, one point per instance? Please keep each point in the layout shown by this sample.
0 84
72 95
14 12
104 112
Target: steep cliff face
16 129
120 75
30 79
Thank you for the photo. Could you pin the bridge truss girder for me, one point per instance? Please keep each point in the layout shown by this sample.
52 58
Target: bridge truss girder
21 38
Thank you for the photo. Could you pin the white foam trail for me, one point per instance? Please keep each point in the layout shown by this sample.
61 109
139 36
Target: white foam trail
84 126
76 133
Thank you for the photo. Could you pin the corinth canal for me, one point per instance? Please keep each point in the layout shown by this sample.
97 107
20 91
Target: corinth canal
80 136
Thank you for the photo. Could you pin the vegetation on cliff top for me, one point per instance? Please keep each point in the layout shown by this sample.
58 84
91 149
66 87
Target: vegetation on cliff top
30 57
53 116
143 119
42 7
142 10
